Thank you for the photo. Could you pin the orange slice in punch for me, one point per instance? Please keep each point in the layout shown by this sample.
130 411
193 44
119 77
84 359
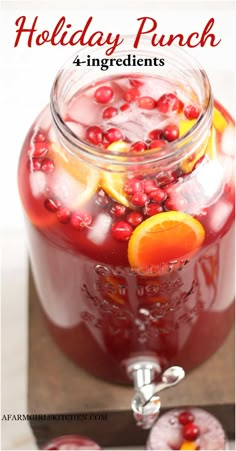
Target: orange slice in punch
164 240
113 182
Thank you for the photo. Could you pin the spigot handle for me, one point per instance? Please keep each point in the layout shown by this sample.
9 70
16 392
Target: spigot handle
146 402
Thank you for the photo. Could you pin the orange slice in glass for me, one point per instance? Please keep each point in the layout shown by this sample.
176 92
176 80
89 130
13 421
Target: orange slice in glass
164 238
113 182
83 179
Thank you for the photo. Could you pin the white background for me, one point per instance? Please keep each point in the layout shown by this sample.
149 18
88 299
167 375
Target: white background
27 75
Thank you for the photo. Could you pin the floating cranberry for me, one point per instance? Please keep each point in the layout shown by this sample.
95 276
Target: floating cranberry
157 144
103 94
47 165
133 186
138 146
155 134
117 209
191 112
109 112
152 209
131 95
185 417
63 215
176 203
149 185
140 199
113 134
52 205
135 83
121 230
158 195
40 149
181 106
171 132
101 198
167 103
34 164
134 218
39 137
124 107
146 102
80 220
164 178
190 431
94 134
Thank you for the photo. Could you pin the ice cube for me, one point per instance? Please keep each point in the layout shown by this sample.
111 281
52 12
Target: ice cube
228 141
210 178
100 228
220 215
38 183
85 110
66 188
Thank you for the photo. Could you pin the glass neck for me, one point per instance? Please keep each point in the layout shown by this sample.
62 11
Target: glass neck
180 71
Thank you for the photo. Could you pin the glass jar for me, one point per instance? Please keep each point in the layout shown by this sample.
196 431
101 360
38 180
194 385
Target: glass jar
131 244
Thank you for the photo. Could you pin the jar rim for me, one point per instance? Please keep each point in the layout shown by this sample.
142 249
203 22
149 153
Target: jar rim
104 156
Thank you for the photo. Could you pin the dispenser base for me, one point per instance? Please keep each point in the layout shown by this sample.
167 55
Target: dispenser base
56 386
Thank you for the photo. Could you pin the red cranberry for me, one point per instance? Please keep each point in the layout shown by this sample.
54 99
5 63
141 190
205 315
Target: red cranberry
102 198
190 432
63 215
103 94
52 205
185 417
40 149
121 230
157 144
140 199
39 137
80 220
158 195
47 165
167 103
117 210
34 164
152 209
149 185
134 218
124 107
171 132
131 94
138 146
181 106
135 83
113 134
155 134
164 178
146 102
94 134
176 202
191 112
133 186
109 112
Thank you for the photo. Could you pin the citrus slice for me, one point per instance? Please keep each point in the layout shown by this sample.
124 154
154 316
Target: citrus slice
164 238
73 177
219 122
113 183
185 125
211 145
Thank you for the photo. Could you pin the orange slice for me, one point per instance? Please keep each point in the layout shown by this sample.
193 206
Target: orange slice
113 182
189 445
86 178
219 122
162 239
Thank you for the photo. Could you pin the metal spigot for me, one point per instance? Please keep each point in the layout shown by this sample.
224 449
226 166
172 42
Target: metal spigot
149 381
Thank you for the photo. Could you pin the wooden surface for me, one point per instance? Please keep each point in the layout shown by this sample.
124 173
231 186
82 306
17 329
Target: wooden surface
57 386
